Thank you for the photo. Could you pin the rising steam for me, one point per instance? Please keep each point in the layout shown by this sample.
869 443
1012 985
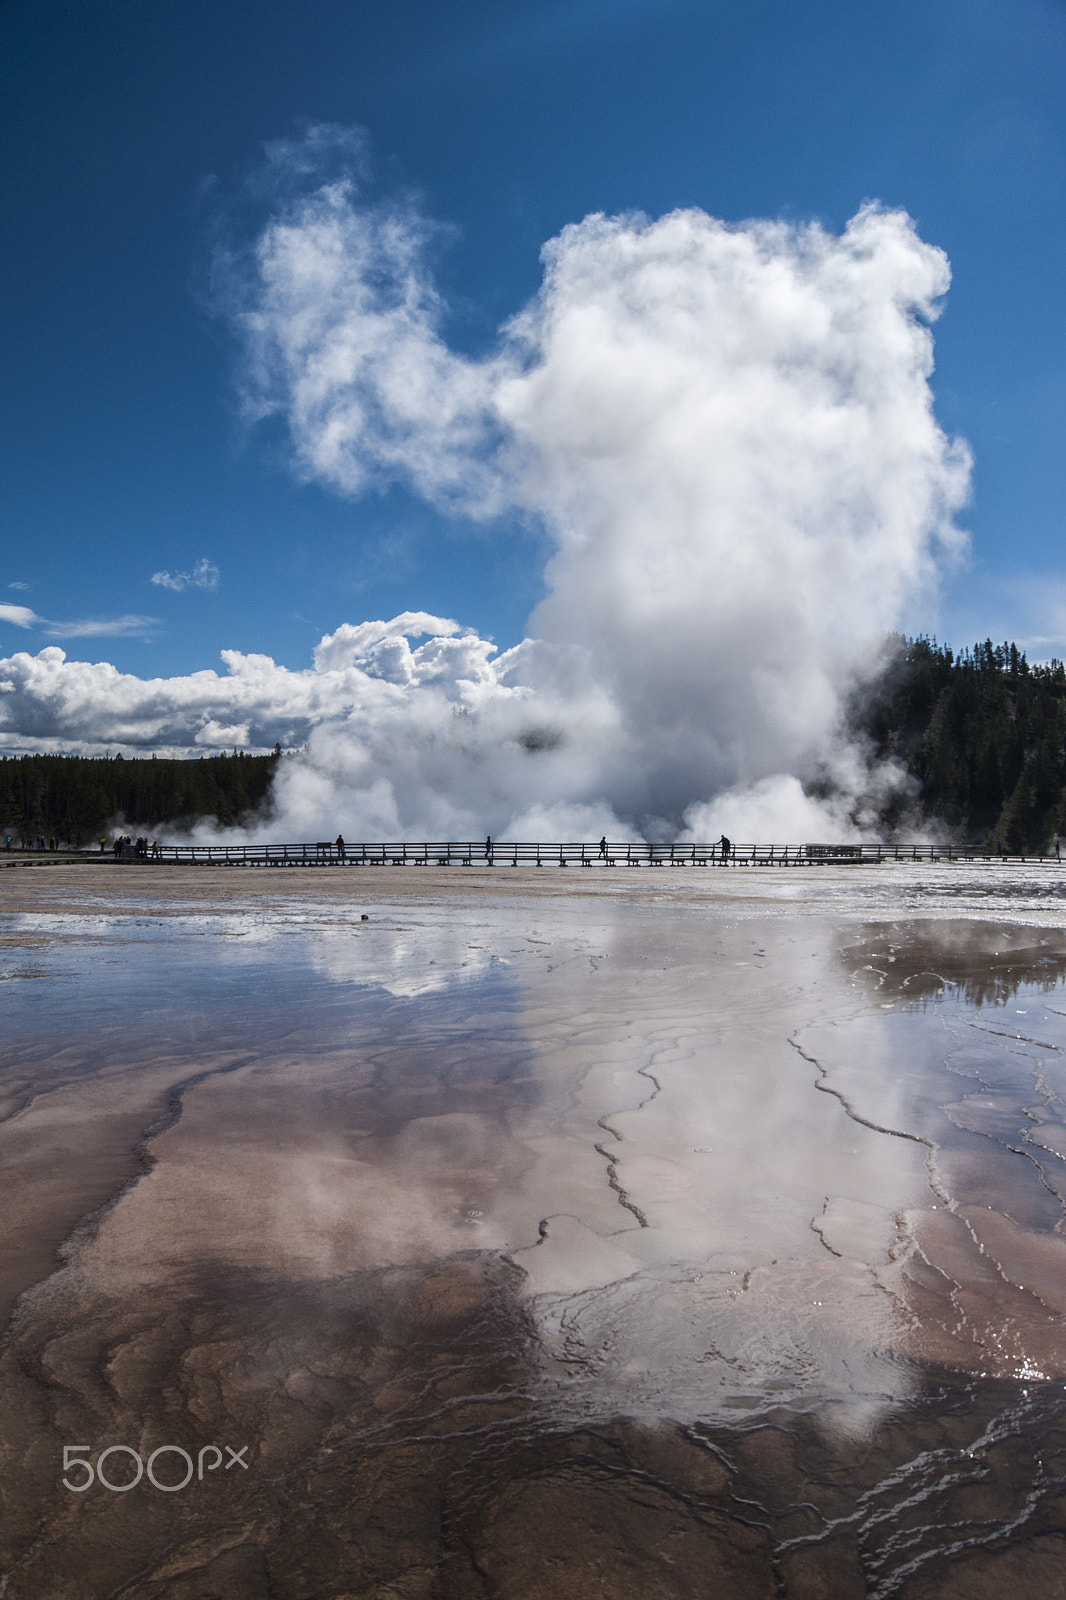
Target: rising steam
728 434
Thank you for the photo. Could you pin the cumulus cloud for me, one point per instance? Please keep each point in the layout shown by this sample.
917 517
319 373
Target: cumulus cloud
727 431
365 674
204 575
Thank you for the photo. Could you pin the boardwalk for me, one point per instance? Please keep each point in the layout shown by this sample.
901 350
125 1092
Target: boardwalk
480 853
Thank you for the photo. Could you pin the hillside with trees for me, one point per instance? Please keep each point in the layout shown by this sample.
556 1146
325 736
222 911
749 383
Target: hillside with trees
982 732
77 798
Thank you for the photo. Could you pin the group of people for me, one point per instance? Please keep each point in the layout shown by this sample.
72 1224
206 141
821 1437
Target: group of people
139 846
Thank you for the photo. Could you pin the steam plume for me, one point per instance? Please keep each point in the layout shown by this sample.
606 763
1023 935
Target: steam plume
728 434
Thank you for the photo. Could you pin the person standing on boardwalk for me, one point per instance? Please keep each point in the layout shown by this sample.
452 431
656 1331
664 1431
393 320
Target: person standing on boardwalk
603 847
488 847
726 847
340 847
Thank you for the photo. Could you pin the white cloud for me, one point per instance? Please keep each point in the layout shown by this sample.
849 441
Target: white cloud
727 432
380 641
21 616
341 335
369 674
17 585
204 575
88 628
221 736
127 627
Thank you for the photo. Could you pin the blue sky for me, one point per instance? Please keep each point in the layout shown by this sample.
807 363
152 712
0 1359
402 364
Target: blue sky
130 134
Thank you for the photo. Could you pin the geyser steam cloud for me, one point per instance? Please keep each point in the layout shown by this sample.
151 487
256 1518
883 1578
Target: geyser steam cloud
727 432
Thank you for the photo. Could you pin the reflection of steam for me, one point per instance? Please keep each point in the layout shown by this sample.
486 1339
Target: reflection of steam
405 962
604 1088
378 1239
727 432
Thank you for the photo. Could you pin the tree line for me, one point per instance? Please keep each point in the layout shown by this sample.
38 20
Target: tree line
78 799
982 732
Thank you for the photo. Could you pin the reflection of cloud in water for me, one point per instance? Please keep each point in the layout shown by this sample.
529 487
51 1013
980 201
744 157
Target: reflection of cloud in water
402 958
436 1232
634 1116
709 1278
404 961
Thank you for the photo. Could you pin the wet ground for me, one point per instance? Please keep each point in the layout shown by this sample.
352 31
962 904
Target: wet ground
650 1235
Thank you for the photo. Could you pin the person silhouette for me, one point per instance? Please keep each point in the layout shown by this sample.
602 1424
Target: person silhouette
603 847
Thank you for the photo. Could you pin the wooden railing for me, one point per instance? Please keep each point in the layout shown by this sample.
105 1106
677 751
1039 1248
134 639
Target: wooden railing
490 853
